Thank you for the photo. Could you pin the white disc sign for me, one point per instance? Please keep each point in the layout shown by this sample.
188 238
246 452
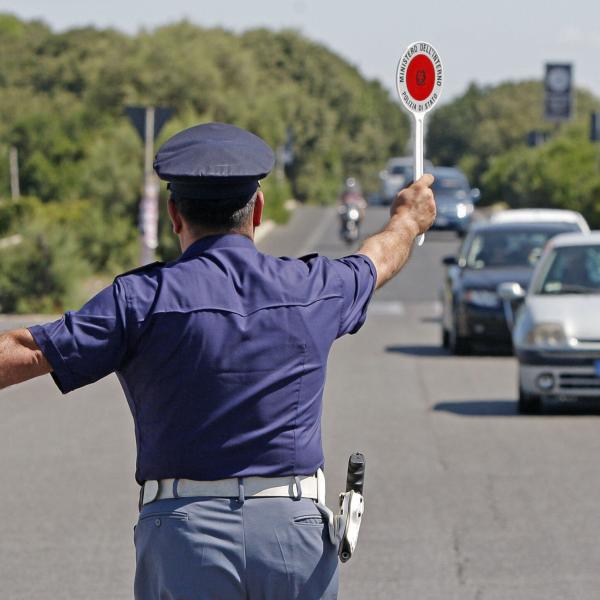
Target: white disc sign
419 79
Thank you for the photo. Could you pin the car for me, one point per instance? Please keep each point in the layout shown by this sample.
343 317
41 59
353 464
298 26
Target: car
454 199
396 175
491 254
557 332
541 215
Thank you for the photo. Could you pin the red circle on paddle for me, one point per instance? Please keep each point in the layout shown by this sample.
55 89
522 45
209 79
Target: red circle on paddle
420 77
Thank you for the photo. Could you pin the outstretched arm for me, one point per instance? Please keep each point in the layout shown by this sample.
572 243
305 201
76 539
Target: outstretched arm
20 358
412 213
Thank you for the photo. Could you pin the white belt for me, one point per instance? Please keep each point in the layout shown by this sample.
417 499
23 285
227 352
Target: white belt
311 486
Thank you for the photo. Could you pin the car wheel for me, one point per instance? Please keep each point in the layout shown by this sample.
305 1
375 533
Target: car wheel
445 338
457 344
529 404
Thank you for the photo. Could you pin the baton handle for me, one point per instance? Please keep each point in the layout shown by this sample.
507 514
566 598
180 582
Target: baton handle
418 157
356 473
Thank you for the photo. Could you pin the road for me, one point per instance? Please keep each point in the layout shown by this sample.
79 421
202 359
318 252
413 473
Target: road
465 499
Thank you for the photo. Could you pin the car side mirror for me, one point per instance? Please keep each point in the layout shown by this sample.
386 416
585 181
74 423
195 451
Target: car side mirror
449 261
511 294
475 195
510 291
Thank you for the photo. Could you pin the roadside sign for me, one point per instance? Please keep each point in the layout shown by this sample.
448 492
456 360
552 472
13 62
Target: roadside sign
595 127
419 79
137 116
558 92
148 121
536 138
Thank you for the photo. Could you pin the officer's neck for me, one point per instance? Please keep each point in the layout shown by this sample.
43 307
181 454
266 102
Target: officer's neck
187 237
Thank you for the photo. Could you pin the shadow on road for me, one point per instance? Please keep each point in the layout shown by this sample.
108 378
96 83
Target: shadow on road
437 319
508 408
479 408
419 350
478 352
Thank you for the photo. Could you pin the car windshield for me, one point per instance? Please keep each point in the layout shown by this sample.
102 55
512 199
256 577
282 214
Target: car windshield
572 270
517 248
445 183
397 170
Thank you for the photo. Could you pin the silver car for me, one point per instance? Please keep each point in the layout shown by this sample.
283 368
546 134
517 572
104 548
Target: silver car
557 331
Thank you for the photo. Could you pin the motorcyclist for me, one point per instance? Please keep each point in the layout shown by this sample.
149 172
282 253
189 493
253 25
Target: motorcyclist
351 208
352 195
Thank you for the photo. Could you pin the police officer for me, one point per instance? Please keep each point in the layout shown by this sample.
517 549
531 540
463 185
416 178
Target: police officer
221 355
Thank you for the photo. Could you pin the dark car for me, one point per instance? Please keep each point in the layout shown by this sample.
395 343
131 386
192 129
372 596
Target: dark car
454 199
492 253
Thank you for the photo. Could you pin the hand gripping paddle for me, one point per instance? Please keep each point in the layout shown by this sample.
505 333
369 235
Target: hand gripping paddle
419 78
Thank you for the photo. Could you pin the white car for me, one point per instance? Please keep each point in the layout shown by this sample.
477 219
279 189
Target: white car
541 215
557 332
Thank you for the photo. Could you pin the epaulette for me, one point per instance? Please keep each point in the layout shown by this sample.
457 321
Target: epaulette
308 257
142 269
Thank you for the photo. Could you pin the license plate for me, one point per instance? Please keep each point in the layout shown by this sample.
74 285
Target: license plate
597 367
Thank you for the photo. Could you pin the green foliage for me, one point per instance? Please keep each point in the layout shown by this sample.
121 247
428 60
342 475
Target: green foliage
564 173
485 132
488 121
62 97
43 271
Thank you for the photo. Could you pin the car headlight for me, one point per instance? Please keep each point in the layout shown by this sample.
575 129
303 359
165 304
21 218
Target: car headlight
462 210
550 335
484 298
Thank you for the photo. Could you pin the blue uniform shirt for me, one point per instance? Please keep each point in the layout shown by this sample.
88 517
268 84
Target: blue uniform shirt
221 354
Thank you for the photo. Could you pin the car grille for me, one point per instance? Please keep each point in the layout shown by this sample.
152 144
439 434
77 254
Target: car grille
578 380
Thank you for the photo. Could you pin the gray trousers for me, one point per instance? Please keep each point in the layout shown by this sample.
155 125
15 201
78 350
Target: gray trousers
224 549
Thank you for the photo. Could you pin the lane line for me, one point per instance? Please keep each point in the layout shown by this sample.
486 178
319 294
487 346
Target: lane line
387 308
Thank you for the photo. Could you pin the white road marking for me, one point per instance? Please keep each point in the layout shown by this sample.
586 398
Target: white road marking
380 307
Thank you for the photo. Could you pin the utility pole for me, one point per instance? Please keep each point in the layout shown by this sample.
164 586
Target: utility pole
13 160
148 121
149 203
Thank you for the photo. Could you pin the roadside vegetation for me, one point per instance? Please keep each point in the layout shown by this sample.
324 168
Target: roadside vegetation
485 132
62 100
62 97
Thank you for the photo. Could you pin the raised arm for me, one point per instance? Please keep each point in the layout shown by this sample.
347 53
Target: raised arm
411 214
20 358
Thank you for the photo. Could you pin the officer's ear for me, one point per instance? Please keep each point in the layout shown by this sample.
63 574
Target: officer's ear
175 217
259 205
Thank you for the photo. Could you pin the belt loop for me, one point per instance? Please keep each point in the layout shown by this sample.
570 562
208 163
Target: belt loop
298 495
241 497
320 486
175 486
141 498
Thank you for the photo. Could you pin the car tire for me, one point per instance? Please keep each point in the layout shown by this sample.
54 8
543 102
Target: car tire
529 404
445 338
457 344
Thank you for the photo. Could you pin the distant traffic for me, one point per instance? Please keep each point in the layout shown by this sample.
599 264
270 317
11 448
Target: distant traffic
526 280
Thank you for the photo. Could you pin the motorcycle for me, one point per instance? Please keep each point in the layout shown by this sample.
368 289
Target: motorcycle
349 222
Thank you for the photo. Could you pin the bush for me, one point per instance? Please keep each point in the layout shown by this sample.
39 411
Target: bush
43 273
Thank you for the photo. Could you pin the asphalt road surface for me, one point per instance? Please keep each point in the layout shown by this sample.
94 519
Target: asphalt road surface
465 499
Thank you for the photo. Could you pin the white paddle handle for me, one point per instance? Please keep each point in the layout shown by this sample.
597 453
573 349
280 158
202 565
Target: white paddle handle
418 157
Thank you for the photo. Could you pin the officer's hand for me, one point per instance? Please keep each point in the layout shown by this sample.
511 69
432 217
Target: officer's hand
416 203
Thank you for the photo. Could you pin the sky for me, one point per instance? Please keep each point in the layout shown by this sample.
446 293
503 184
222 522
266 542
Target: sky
478 40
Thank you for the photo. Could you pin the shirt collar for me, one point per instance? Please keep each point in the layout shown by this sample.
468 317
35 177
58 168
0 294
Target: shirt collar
217 242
